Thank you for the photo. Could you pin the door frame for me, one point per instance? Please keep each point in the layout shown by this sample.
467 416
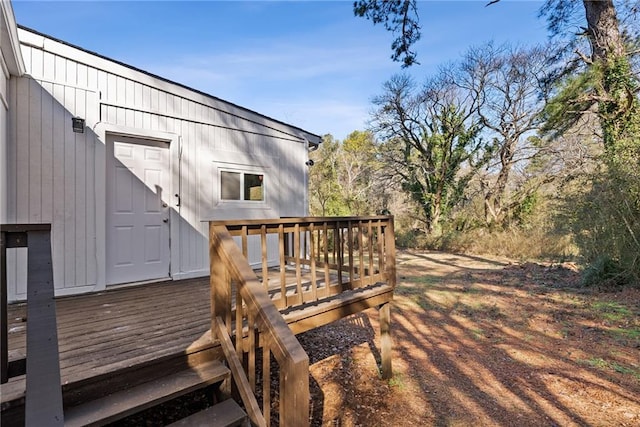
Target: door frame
103 130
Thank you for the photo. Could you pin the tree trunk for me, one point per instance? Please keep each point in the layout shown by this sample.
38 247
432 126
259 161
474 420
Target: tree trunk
618 106
494 198
603 31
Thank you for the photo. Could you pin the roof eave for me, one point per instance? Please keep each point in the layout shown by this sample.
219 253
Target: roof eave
10 45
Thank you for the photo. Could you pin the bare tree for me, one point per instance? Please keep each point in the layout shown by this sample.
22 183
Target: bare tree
509 85
429 135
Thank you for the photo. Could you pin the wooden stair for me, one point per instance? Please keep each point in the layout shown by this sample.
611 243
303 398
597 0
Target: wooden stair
226 413
128 401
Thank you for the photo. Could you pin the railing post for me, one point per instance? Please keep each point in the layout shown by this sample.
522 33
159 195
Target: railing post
43 397
43 404
390 253
294 392
219 283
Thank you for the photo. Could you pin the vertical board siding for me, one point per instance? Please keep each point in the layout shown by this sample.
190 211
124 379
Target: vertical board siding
34 135
52 170
69 194
48 188
58 225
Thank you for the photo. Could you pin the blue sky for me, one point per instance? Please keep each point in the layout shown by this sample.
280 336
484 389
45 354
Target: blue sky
308 63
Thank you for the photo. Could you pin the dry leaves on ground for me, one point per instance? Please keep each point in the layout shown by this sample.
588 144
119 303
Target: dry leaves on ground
483 342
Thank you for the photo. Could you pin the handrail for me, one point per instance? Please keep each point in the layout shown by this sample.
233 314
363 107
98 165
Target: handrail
255 311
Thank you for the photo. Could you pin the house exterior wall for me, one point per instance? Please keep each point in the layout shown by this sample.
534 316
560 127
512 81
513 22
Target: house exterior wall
58 176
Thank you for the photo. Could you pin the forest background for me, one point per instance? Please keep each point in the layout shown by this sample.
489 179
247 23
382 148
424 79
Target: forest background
530 152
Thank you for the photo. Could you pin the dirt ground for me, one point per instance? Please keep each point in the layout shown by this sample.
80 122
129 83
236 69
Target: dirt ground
483 342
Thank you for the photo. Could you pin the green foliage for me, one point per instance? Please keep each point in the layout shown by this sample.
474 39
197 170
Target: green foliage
525 208
341 181
606 273
324 187
600 363
612 310
432 139
574 98
605 214
605 221
619 107
398 16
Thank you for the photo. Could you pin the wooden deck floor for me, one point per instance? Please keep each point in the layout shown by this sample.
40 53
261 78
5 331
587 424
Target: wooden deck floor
104 332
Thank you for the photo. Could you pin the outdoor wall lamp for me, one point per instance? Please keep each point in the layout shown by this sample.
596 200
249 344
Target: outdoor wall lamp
77 124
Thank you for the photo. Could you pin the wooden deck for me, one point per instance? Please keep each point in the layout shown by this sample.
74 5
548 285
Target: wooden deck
122 338
108 331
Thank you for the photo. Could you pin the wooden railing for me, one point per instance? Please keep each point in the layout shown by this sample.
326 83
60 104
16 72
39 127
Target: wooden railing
255 315
327 256
299 261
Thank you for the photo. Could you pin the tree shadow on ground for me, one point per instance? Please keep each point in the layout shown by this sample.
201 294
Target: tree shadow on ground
494 344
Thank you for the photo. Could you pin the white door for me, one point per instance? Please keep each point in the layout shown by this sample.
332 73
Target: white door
138 190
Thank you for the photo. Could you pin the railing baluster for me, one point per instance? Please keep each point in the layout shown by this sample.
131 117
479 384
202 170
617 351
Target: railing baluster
312 257
263 246
327 277
251 329
350 246
266 382
379 237
336 243
370 241
296 248
239 319
245 246
338 247
283 279
361 272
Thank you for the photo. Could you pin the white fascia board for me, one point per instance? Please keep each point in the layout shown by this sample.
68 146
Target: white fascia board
95 60
10 45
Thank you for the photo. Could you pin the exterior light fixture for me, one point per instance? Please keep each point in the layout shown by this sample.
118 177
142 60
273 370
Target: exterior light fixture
77 124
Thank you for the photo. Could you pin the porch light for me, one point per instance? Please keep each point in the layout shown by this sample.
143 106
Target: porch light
77 124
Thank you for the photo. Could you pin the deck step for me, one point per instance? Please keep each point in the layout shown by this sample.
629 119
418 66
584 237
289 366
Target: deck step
224 414
130 401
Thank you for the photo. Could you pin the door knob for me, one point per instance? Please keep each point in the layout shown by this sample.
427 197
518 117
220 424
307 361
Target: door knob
165 220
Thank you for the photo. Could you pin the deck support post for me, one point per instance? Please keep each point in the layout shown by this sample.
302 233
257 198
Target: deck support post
386 343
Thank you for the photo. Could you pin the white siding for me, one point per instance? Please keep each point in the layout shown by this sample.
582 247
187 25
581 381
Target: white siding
58 176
